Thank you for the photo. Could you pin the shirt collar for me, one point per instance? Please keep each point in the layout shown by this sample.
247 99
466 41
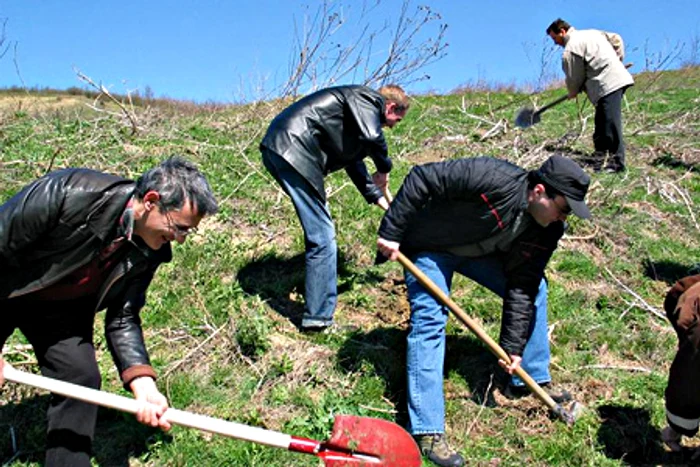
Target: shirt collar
126 221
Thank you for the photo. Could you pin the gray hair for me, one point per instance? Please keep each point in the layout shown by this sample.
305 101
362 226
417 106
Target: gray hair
177 180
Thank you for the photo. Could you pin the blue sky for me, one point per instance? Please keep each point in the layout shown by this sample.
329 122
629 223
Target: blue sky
227 51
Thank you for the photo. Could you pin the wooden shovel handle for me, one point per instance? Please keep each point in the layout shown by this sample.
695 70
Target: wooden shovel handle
126 404
496 349
552 104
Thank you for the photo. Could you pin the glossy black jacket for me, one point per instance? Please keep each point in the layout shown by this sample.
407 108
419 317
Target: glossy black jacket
332 129
59 223
464 201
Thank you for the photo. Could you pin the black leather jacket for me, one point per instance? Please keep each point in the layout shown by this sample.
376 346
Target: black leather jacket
333 129
59 223
464 201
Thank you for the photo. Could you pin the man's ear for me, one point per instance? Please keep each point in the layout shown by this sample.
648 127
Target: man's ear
151 199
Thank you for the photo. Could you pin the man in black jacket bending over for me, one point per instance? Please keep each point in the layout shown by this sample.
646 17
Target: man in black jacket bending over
77 241
498 225
329 130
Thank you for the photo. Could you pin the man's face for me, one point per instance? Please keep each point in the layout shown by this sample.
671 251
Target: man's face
546 210
394 114
558 37
161 226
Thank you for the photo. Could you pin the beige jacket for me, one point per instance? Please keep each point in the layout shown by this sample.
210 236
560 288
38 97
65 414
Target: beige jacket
590 62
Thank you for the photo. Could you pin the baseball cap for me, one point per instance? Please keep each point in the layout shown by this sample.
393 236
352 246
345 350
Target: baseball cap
569 179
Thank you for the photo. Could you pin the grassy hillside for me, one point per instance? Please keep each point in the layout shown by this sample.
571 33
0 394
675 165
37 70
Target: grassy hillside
221 318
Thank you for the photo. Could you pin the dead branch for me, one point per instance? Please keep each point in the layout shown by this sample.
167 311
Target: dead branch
104 91
499 128
375 409
583 237
483 405
192 352
639 299
640 369
321 58
686 199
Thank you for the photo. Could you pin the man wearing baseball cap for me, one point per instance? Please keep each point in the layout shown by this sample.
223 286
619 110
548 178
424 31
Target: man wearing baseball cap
497 224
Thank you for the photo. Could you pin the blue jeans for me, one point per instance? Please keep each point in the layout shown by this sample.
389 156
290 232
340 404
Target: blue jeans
321 289
426 340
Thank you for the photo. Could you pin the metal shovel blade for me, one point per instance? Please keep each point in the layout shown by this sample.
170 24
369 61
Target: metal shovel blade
527 117
372 442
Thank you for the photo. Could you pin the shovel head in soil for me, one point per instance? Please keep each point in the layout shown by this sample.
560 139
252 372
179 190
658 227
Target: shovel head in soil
384 443
528 116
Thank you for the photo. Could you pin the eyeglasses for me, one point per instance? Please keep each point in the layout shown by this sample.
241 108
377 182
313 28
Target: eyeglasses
180 230
564 210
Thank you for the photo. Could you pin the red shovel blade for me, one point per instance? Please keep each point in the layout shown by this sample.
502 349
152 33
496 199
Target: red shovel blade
370 442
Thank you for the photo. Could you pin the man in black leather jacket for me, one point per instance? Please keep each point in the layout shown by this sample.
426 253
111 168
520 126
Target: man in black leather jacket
77 241
329 130
497 224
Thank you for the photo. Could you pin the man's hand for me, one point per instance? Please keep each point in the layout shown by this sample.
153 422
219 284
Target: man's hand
572 95
388 248
152 405
514 364
382 182
383 203
2 366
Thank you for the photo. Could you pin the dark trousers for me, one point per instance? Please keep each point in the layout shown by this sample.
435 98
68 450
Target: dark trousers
61 335
607 136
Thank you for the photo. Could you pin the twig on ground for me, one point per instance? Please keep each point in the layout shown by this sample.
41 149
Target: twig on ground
583 237
483 405
192 352
499 128
375 409
644 304
639 369
686 199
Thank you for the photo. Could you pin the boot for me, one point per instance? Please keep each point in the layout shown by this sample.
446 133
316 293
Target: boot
434 446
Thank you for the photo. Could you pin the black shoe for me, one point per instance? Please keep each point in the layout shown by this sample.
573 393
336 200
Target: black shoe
558 395
434 446
333 328
315 329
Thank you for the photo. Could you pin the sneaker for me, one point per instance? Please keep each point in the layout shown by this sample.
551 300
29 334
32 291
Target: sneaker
558 395
434 446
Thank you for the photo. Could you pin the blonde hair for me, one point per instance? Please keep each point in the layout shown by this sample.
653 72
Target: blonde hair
394 93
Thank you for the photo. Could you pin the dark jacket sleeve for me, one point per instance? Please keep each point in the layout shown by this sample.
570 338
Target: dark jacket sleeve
435 182
367 108
28 215
363 182
124 334
524 269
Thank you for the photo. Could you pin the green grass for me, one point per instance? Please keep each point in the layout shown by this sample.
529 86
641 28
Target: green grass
221 318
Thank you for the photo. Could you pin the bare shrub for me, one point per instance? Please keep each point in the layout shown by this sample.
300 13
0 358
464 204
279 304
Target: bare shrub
330 47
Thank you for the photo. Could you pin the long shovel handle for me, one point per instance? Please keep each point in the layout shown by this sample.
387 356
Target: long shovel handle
349 432
125 404
481 334
552 104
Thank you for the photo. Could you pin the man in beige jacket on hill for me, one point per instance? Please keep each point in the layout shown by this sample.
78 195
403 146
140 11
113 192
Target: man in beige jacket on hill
592 61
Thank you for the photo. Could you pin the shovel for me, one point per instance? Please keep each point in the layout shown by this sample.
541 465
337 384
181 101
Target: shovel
425 281
527 116
355 441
